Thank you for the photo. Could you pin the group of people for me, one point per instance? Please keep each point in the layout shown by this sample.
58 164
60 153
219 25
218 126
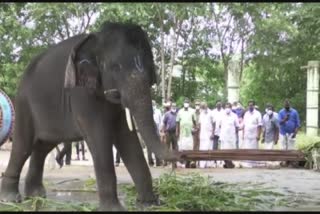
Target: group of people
227 126
64 155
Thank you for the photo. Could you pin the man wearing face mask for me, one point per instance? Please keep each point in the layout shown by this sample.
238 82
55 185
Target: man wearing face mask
166 108
169 128
229 131
185 122
195 131
217 114
239 111
289 126
275 114
206 130
252 123
270 127
157 119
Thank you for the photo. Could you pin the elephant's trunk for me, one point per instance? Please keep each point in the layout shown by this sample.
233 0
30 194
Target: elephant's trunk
141 109
143 118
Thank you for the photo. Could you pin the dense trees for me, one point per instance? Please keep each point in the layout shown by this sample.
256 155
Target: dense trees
271 40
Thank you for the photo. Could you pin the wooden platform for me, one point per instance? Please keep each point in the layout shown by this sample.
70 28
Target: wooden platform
244 154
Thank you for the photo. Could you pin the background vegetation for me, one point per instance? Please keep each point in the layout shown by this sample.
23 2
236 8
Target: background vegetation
272 41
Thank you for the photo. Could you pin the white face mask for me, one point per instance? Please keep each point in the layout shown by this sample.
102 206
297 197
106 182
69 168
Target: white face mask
197 107
186 105
228 110
269 112
173 110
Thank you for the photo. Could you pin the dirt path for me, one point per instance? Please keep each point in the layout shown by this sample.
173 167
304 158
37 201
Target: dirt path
302 184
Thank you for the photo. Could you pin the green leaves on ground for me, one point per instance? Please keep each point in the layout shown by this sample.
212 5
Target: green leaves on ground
198 193
191 192
42 204
310 146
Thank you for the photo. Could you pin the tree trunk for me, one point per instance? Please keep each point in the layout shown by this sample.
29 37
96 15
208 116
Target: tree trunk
241 60
163 81
171 70
173 54
225 91
183 55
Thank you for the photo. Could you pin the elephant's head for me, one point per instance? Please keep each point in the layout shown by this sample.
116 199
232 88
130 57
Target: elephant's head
118 61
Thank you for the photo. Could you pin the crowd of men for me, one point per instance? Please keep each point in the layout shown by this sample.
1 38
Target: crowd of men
227 126
64 155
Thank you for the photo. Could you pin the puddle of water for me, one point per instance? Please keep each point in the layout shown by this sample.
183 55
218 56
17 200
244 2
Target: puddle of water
302 208
90 197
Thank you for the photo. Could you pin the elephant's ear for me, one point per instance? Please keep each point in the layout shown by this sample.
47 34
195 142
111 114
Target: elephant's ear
71 74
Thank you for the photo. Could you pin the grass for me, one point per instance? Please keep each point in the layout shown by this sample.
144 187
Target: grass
310 146
197 193
191 192
42 204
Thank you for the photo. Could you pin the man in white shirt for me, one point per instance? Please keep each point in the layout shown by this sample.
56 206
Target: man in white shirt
157 120
252 126
185 122
157 116
229 125
206 130
270 126
217 114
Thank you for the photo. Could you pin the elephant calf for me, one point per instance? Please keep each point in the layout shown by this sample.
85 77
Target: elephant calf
88 87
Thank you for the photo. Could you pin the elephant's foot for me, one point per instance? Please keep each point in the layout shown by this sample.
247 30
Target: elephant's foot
10 197
9 190
32 190
111 207
142 204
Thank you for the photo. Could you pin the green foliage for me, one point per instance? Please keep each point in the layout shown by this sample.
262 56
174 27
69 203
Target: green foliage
24 34
308 145
47 205
284 39
197 193
277 38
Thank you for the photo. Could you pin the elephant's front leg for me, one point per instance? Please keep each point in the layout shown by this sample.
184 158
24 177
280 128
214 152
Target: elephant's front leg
132 155
100 145
98 130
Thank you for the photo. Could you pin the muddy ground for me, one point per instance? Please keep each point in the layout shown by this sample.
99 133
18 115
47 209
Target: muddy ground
300 184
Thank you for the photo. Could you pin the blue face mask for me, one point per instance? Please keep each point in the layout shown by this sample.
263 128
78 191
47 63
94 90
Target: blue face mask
251 109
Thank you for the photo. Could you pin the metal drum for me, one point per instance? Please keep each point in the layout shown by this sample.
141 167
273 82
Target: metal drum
6 117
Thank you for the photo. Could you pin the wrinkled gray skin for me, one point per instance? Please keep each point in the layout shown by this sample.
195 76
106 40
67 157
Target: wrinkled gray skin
61 99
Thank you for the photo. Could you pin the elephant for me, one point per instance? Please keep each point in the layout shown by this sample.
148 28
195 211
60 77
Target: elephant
93 87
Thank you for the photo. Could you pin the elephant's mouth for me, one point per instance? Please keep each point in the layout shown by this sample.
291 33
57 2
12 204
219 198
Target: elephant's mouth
113 95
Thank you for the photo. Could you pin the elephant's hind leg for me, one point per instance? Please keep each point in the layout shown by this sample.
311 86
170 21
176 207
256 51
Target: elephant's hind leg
21 150
33 185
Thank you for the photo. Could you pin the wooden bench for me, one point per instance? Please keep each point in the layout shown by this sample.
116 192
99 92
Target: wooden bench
244 154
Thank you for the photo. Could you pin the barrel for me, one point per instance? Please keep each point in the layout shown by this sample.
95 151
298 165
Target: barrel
6 117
